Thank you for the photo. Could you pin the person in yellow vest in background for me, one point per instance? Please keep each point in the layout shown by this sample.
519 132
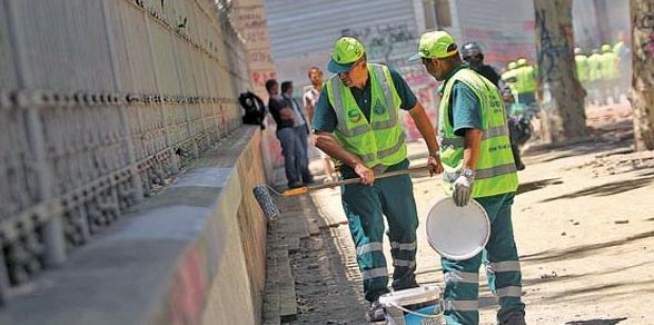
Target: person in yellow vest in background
610 74
476 154
582 66
356 121
509 76
581 61
525 85
595 77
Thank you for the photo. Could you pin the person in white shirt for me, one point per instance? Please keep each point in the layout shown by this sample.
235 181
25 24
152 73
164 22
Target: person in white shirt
310 98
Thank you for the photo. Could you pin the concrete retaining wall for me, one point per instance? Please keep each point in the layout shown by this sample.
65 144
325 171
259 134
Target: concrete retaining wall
192 254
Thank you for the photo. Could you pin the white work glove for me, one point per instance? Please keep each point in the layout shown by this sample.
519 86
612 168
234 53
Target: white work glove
462 187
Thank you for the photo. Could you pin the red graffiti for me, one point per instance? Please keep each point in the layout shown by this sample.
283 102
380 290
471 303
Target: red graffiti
259 78
189 289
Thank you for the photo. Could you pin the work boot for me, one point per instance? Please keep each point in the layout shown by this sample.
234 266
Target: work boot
514 319
376 312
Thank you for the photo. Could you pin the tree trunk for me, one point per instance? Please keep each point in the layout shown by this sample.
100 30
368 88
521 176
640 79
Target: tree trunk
561 96
642 93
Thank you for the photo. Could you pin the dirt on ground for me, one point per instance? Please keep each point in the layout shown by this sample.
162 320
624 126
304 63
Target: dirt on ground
584 225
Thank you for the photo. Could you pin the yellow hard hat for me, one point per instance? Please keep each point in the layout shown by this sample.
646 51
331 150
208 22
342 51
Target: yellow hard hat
521 62
347 50
606 48
435 45
512 65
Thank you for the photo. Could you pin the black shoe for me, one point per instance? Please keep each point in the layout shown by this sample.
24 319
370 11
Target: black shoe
513 319
376 312
520 166
295 184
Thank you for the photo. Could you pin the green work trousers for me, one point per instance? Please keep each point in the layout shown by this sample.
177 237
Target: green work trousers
502 269
364 206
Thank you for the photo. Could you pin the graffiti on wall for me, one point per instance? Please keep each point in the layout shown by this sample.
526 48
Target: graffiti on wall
384 41
550 50
645 26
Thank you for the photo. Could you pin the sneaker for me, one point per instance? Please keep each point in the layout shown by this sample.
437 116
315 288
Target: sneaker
376 312
514 319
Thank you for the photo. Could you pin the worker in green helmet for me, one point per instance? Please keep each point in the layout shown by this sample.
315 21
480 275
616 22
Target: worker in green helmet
509 76
476 154
582 66
595 78
610 73
356 121
525 85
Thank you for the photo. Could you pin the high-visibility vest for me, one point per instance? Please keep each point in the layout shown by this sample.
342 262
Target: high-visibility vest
526 79
380 140
609 67
594 67
509 78
582 67
496 172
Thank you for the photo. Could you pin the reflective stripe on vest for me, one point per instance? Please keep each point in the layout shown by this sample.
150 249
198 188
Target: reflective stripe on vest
379 140
496 172
459 141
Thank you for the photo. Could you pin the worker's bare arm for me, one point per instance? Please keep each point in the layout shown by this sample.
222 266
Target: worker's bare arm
428 133
326 142
472 148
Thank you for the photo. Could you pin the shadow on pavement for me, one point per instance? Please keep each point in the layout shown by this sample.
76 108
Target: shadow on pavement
536 185
611 321
607 189
580 251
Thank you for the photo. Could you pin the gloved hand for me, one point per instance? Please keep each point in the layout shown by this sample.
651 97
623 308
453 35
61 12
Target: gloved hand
463 188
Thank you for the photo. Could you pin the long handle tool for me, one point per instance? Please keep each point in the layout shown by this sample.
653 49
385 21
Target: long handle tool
270 210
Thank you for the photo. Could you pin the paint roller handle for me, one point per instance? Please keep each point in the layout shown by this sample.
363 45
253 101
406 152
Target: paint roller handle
306 189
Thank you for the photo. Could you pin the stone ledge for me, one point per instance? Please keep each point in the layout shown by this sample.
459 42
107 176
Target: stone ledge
177 257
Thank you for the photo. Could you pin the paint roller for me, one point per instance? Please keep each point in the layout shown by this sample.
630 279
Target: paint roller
262 192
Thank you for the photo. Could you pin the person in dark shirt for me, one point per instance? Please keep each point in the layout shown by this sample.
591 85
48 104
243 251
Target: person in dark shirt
473 55
285 118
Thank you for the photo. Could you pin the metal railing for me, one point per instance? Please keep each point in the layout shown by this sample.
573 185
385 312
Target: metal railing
100 103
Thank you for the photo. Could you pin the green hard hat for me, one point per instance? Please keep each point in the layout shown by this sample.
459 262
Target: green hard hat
512 65
436 44
606 48
347 50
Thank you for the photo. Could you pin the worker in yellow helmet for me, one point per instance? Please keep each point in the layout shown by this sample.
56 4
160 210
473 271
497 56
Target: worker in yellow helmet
610 73
476 154
356 121
525 85
595 77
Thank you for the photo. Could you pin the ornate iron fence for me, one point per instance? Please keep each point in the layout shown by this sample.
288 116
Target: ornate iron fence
100 103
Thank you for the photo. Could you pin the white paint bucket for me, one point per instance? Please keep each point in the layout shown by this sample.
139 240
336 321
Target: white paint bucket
396 303
457 233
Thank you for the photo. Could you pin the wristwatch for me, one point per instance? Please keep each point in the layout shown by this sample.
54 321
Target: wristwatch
468 173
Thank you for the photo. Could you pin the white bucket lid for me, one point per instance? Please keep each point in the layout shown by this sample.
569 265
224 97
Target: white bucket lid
457 233
411 296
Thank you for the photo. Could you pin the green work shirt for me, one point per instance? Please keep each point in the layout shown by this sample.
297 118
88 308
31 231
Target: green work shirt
324 116
465 112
